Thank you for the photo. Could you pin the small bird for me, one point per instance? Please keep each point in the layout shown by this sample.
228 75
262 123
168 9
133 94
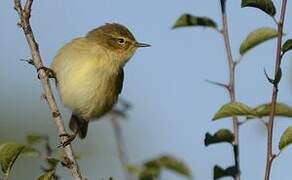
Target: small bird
89 73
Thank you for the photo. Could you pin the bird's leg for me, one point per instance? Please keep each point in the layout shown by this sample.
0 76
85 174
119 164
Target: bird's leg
69 139
49 72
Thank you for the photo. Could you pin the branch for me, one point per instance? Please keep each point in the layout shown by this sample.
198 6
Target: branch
123 157
218 84
116 115
24 16
231 85
270 155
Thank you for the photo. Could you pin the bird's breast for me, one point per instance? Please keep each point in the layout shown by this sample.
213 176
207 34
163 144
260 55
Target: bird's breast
90 90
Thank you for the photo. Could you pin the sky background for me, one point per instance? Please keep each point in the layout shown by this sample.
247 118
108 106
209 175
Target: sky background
172 104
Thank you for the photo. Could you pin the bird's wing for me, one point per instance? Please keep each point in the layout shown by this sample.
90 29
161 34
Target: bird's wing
120 80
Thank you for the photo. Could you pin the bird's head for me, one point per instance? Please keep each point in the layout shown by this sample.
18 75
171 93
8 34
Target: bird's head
117 39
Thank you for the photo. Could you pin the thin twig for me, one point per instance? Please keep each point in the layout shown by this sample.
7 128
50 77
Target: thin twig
118 114
274 19
122 153
24 16
270 155
218 84
231 85
264 122
219 31
236 62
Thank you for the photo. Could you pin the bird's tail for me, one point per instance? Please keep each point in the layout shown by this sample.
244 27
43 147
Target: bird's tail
78 125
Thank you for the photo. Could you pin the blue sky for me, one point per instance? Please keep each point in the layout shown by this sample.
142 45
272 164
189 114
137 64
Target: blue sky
173 105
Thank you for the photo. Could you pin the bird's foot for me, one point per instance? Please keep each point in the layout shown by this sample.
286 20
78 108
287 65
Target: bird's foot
68 140
50 73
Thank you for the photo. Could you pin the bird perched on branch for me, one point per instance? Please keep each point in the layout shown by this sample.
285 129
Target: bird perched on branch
89 73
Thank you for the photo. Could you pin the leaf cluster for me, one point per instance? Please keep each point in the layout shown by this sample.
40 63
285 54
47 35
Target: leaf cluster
151 170
253 39
10 152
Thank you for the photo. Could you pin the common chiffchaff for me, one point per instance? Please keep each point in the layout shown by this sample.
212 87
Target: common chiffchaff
89 72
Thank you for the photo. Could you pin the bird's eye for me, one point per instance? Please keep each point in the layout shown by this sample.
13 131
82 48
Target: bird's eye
121 40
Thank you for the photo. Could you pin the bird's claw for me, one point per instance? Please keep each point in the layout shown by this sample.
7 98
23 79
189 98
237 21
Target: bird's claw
50 73
69 139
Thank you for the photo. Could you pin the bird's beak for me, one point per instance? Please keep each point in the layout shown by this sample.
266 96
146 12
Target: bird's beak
137 44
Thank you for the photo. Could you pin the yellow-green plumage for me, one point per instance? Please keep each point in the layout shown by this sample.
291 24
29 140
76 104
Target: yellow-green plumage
89 72
88 85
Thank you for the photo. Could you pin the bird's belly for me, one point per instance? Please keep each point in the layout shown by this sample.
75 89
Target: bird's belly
89 94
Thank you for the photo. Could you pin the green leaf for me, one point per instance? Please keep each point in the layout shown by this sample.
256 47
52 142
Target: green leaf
8 154
187 20
47 175
281 110
152 168
53 162
223 135
30 151
286 138
257 37
151 171
240 109
133 170
233 109
175 165
265 5
287 46
219 172
149 174
34 138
